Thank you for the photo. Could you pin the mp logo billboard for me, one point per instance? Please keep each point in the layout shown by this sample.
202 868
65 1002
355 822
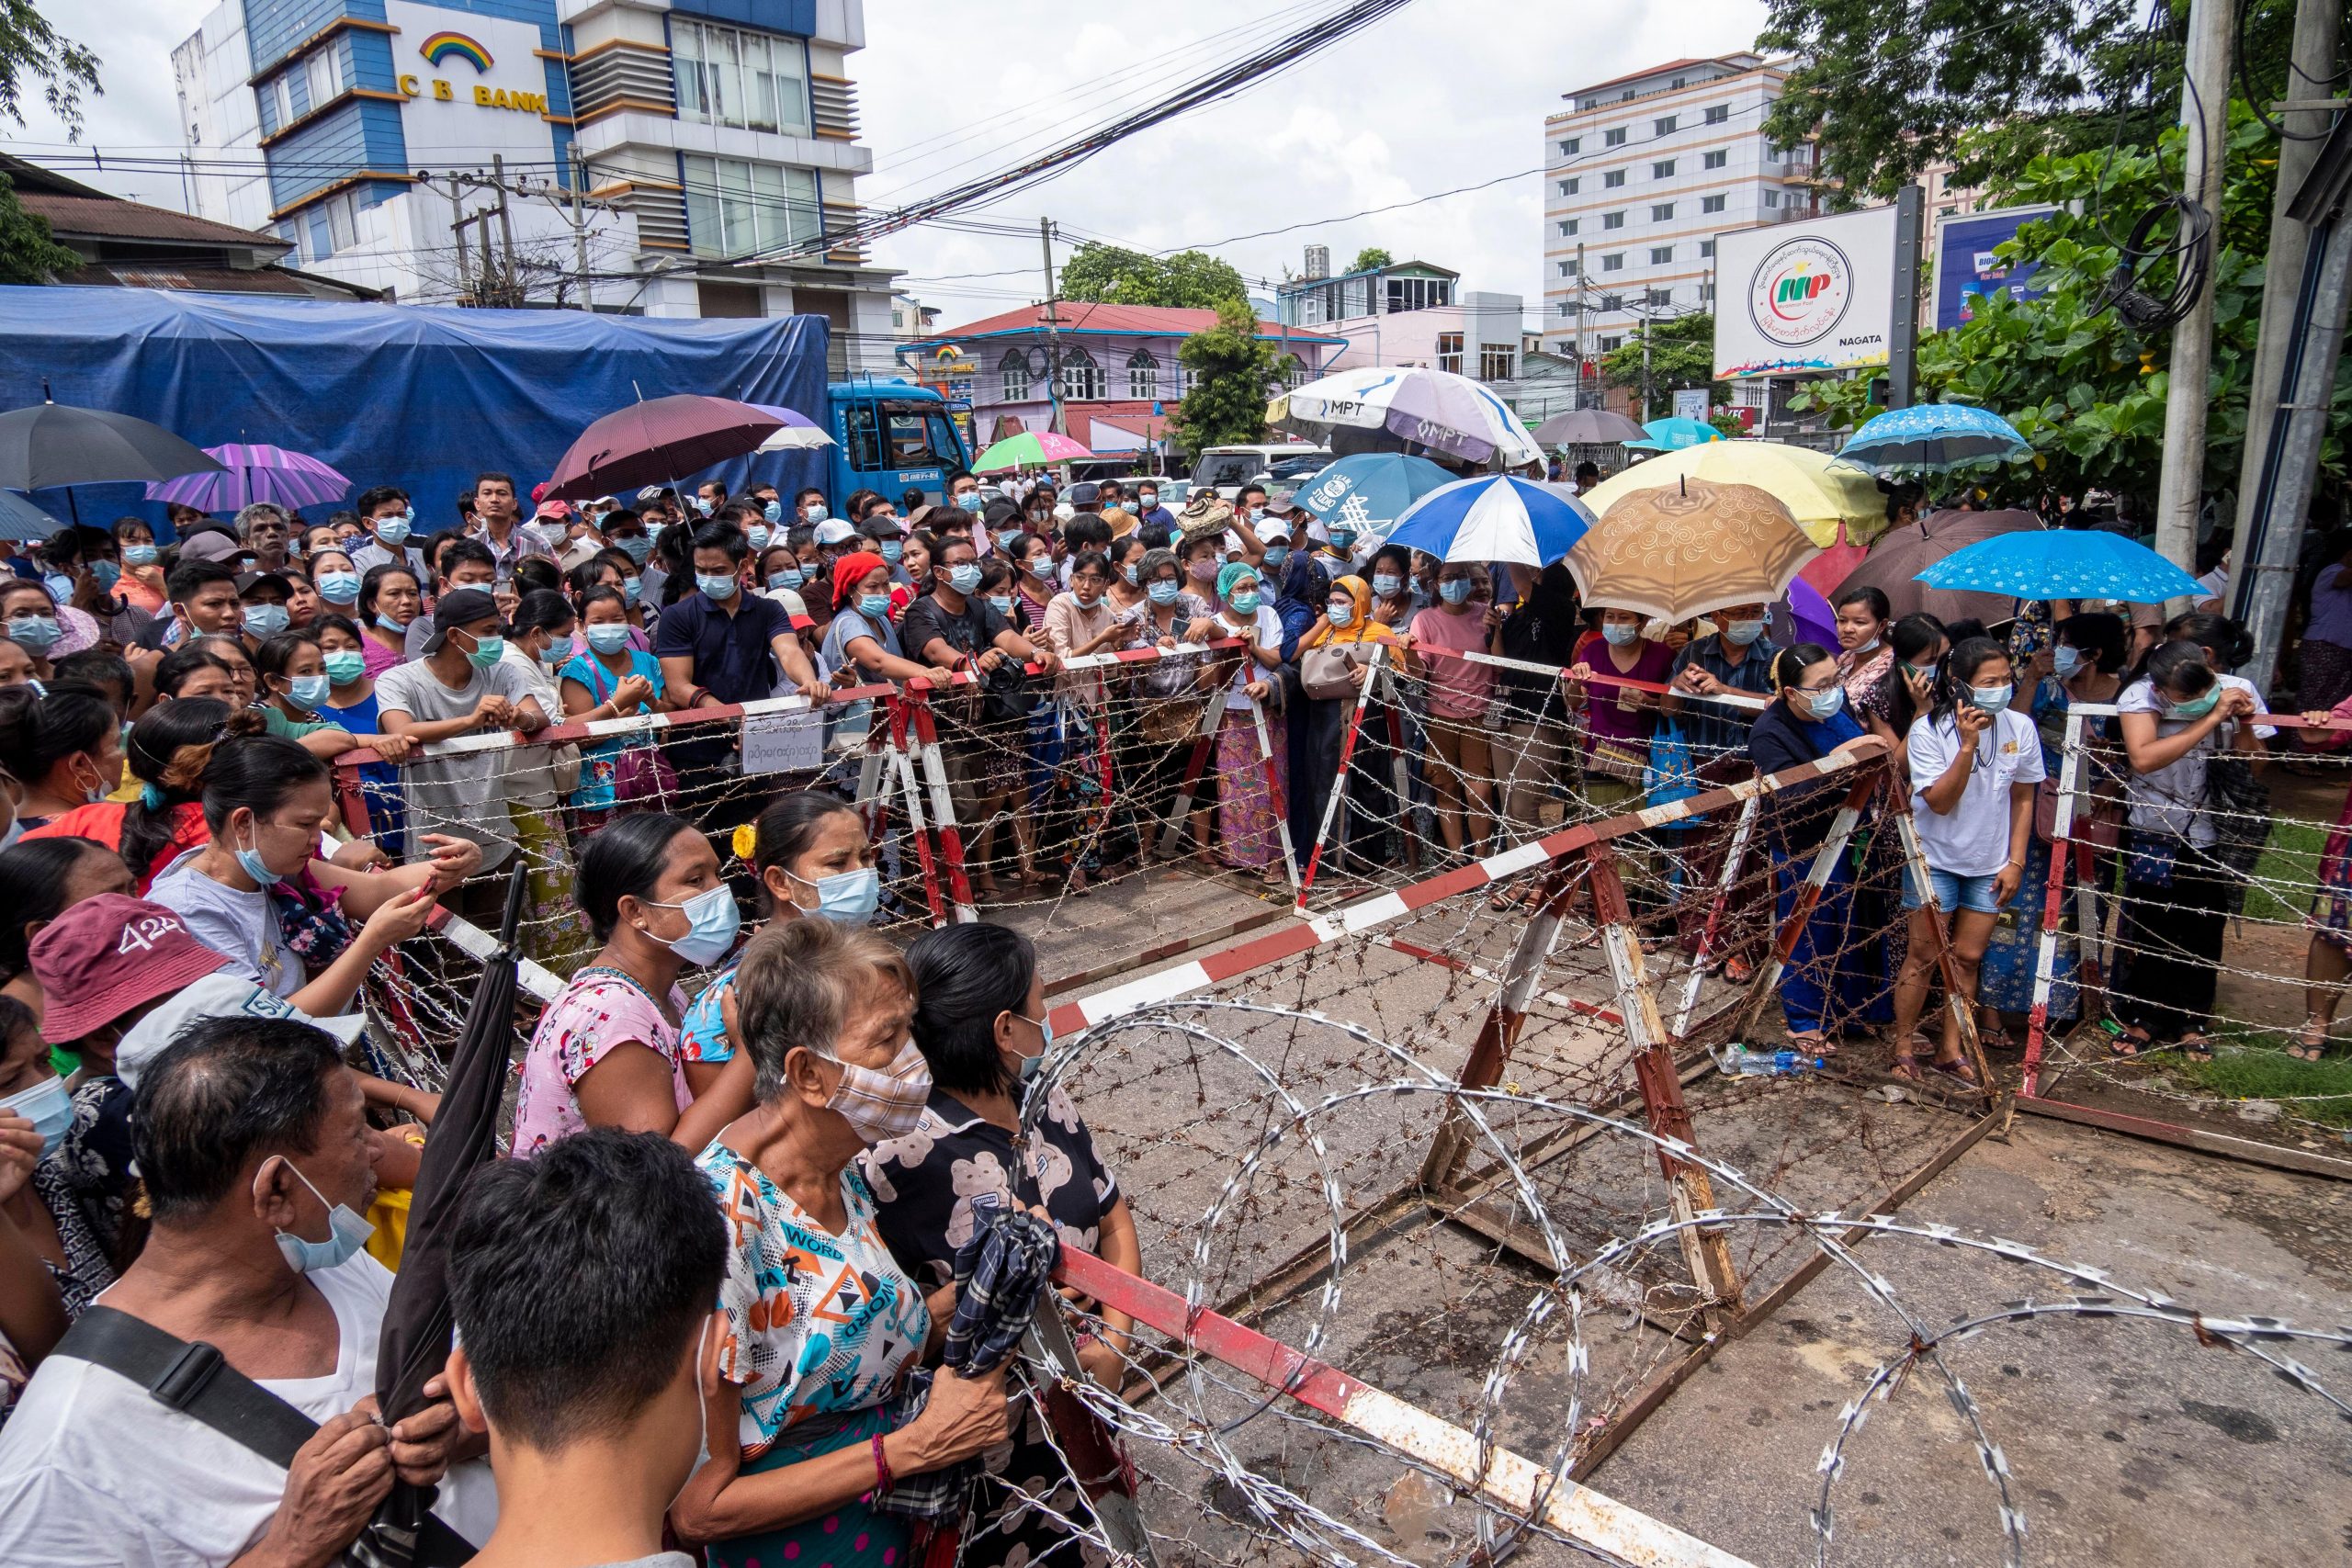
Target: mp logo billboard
1817 295
1800 290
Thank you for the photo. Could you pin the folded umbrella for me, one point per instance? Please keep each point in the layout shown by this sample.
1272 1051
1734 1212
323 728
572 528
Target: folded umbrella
1677 553
1498 518
1587 427
247 473
2064 563
658 442
1893 565
1936 437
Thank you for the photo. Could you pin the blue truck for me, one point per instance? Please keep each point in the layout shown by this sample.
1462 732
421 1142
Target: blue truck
892 436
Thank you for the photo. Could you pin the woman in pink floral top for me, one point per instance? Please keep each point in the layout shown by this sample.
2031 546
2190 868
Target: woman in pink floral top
607 1053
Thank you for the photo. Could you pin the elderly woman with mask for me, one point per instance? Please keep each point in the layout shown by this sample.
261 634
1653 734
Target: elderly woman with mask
1250 804
822 1324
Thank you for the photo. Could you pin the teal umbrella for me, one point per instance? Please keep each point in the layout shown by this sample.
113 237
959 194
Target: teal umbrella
1674 435
1369 490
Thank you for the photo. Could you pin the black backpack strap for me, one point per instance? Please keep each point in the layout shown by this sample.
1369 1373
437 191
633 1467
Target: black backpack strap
193 1379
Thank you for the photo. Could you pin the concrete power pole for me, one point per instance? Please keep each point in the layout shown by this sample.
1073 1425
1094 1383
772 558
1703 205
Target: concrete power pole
2317 37
1053 332
1583 304
2204 109
580 223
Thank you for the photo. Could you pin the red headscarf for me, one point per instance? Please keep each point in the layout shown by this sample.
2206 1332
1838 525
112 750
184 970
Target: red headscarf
849 570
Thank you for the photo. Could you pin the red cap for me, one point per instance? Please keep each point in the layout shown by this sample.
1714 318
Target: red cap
108 955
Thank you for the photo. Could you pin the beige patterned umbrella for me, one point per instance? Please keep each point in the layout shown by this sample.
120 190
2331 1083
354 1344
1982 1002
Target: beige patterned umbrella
1675 553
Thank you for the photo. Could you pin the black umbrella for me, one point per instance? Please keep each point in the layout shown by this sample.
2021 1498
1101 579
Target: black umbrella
416 1335
1587 427
54 443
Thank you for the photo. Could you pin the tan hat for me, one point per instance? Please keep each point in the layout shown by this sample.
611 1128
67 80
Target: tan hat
1122 522
1207 512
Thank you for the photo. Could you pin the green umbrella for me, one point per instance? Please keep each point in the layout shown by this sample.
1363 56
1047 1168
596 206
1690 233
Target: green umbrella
1030 449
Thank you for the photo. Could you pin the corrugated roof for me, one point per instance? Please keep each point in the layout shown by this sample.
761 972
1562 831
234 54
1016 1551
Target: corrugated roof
1153 320
112 218
197 279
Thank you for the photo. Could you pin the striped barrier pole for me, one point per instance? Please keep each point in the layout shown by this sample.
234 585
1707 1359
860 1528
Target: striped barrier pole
1340 783
1808 896
1716 907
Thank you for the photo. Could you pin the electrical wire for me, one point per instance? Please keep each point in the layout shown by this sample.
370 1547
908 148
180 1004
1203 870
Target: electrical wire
2255 100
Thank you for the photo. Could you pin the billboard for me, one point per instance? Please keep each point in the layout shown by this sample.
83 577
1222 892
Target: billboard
469 86
1965 264
1814 295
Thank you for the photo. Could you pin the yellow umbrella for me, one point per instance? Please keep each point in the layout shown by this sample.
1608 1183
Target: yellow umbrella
1683 551
1819 491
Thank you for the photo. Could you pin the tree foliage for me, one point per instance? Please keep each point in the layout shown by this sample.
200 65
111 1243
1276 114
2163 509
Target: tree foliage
1369 258
1113 275
27 254
1236 370
1682 355
31 51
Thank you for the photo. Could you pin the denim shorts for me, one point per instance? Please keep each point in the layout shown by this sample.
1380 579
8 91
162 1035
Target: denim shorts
1952 892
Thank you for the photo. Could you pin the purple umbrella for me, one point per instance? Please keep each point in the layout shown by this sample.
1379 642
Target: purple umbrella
252 473
1810 614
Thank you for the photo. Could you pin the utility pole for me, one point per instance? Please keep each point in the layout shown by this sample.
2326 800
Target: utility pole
2204 109
1055 420
580 223
1903 332
1583 304
2312 60
457 235
505 224
1648 321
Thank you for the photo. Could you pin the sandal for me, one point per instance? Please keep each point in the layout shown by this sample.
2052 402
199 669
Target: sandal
1906 1067
2195 1047
1996 1038
2311 1044
1812 1043
1957 1067
2131 1043
1738 970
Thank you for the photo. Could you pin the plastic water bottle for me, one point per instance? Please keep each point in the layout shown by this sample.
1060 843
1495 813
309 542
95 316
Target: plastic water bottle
1739 1061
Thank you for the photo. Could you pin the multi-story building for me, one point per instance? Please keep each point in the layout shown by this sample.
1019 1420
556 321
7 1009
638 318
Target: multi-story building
442 152
1405 313
1642 172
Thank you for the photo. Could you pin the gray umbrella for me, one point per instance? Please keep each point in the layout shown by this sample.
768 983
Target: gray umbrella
1587 427
22 521
52 444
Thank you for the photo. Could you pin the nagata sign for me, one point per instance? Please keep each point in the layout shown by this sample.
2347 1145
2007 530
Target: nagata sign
1811 296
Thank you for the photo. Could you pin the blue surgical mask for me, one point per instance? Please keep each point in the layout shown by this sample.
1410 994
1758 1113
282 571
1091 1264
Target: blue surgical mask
1006 538
34 634
392 532
348 1231
60 586
385 623
1277 554
964 577
759 534
702 505
719 588
265 620
339 587
141 555
1000 603
631 590
873 606
1340 612
609 636
253 865
558 652
345 666
2065 661
637 547
1739 634
1619 634
1384 583
307 692
847 897
712 922
1456 590
104 574
1342 534
787 577
813 513
48 1107
772 511
1824 704
1992 699
487 652
970 500
892 549
1129 573
1148 498
1245 604
1164 592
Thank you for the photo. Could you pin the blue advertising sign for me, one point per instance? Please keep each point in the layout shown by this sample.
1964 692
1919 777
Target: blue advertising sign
1965 264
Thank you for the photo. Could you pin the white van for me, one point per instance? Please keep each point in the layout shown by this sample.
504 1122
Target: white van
1229 468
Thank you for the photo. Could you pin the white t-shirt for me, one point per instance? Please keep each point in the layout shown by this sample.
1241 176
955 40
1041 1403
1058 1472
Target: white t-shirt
1973 838
242 925
1269 635
93 1469
2240 683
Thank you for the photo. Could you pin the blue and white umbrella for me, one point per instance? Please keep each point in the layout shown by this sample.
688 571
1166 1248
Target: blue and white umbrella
2064 563
1500 518
1435 409
1936 437
1369 490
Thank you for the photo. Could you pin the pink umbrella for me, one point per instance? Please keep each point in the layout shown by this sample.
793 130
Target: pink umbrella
1833 565
250 473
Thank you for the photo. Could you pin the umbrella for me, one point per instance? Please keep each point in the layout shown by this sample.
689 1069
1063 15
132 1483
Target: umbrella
1677 553
1369 491
1808 614
657 442
1587 428
1435 409
1893 565
801 433
21 520
246 474
1819 491
418 1325
1937 436
1030 449
1499 517
2064 563
1674 435
53 444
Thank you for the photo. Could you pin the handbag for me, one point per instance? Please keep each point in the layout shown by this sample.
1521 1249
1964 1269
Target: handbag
1325 672
642 774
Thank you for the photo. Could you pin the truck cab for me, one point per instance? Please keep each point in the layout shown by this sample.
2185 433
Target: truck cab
892 436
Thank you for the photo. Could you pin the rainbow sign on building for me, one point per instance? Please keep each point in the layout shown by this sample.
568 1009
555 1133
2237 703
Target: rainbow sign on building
441 46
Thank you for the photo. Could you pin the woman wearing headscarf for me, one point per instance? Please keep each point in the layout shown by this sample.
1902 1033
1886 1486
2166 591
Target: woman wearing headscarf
1345 632
1248 803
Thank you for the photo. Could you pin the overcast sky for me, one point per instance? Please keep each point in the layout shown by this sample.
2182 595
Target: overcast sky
1446 93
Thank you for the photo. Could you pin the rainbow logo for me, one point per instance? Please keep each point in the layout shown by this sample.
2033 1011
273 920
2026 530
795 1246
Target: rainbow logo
441 46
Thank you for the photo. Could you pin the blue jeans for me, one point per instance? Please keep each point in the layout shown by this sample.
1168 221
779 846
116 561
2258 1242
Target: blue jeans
1952 892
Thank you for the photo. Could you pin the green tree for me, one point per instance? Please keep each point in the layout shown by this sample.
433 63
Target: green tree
33 51
1682 355
1236 370
1369 258
27 254
1113 275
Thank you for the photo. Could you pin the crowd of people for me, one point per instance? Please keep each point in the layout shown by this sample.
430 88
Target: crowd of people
745 1161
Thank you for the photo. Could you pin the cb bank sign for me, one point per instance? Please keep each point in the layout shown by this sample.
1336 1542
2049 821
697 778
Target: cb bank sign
446 50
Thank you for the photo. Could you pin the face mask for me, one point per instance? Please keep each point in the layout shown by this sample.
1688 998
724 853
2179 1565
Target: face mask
964 578
104 574
557 651
759 536
879 1106
1203 571
1922 671
487 652
787 577
893 550
1739 634
1456 590
265 620
343 667
1008 539
609 638
1163 592
346 1234
970 501
392 532
1619 635
654 527
339 587
1277 554
772 511
48 1107
35 634
1148 498
1340 613
2198 709
814 513
631 590
1386 584
637 547
702 505
1992 699
1246 603
307 692
60 586
1031 1066
873 606
1129 573
386 622
253 865
1000 603
140 555
848 898
719 589
1823 704
712 921
2065 661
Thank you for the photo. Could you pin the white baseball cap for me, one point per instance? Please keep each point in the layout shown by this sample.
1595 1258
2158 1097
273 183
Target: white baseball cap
834 531
219 995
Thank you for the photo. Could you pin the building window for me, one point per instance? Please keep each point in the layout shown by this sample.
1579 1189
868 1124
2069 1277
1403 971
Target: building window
1612 302
1418 293
1612 179
1706 294
1710 204
1567 307
1663 169
1082 378
1718 113
1192 379
322 75
734 208
1661 254
1143 374
1662 212
1012 376
1613 220
279 97
1567 269
1569 188
751 81
1678 81
1706 249
1497 361
1608 342
343 227
1613 137
1663 125
1449 352
1715 160
1568 146
1657 298
1771 198
1569 225
1614 262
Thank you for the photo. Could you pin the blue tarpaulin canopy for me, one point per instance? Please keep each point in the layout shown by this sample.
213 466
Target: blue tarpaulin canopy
422 397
